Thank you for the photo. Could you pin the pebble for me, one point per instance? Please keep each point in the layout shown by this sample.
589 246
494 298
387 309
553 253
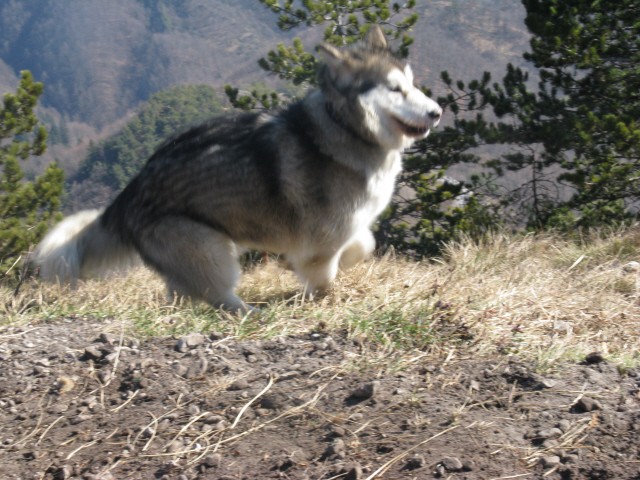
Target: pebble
631 267
549 433
273 401
240 384
189 341
564 425
352 471
104 376
366 391
337 447
108 338
213 460
587 404
415 462
197 368
451 464
175 446
550 461
92 352
594 358
83 417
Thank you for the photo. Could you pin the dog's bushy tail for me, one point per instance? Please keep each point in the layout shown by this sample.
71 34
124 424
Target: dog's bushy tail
80 247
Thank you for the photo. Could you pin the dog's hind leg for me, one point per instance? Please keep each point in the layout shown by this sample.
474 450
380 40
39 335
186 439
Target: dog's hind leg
195 260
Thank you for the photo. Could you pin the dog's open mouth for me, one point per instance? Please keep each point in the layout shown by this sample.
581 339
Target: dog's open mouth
412 130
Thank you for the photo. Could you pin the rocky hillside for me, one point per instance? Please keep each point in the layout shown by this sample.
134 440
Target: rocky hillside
99 60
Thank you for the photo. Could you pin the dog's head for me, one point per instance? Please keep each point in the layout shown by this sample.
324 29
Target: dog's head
372 91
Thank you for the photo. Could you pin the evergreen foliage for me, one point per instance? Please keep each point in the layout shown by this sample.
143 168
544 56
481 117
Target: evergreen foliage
346 22
26 206
574 141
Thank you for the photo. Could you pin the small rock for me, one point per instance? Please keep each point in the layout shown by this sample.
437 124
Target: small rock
213 419
104 376
356 417
63 472
180 369
92 352
148 432
451 464
240 384
337 447
193 409
549 433
550 461
594 357
189 341
197 368
365 391
40 370
175 446
181 346
587 404
353 471
58 408
213 460
564 425
83 417
415 462
109 338
274 401
337 431
43 362
631 267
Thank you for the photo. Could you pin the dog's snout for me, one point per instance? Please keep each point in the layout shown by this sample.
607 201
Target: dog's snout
435 114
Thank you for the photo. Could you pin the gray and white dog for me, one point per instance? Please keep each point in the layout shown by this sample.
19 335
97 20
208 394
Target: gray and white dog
307 182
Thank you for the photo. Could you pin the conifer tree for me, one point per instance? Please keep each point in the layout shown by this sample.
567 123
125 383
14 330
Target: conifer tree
26 206
345 21
576 137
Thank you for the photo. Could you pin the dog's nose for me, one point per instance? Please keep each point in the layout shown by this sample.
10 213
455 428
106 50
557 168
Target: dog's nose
435 115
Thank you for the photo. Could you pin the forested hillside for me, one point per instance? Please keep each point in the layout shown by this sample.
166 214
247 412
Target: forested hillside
99 60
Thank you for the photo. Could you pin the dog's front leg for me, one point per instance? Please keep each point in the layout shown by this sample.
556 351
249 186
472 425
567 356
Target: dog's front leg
358 248
317 272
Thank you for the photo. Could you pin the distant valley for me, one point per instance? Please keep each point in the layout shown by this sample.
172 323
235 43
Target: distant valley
100 60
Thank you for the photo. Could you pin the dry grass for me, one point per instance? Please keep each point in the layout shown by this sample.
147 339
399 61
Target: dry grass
537 297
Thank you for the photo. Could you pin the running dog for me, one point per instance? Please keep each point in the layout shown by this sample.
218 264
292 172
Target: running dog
307 182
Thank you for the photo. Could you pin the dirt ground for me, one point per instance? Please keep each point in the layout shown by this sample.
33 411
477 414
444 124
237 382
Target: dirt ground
81 399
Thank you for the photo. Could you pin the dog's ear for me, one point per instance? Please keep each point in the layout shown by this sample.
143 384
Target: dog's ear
330 54
375 38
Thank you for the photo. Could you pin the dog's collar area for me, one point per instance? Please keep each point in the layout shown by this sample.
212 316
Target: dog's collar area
346 127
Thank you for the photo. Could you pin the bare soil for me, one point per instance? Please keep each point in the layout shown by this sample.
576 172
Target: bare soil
81 399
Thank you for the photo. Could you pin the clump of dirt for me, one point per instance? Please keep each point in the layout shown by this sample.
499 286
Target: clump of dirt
78 400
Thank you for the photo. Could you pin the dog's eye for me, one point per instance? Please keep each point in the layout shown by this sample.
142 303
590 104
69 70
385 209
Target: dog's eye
396 89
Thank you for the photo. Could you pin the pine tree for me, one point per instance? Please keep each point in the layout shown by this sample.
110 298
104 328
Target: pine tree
575 140
26 207
346 22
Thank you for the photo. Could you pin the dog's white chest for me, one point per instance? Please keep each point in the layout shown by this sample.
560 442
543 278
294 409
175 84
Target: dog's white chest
380 188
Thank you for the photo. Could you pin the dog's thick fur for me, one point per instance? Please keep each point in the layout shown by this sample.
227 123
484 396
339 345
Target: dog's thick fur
308 183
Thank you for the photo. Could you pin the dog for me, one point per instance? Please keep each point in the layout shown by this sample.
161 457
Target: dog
307 183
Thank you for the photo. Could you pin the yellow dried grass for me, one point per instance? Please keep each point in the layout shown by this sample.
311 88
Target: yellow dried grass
538 297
